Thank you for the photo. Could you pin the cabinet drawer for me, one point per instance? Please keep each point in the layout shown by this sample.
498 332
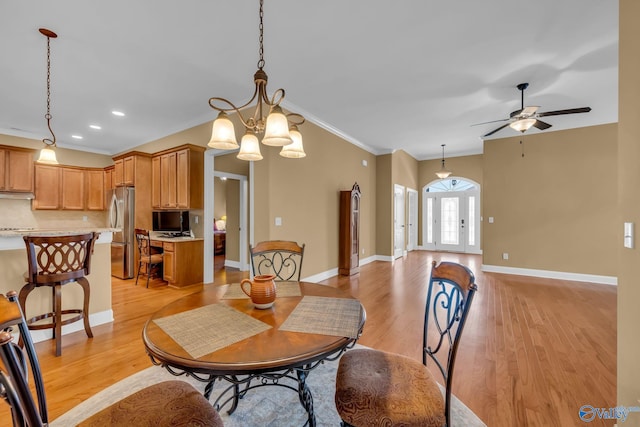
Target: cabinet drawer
169 246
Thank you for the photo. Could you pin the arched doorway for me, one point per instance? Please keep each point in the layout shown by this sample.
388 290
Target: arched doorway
451 215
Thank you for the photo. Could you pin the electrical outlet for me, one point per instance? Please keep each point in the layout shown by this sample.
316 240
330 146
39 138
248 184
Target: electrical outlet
362 251
196 219
505 255
84 218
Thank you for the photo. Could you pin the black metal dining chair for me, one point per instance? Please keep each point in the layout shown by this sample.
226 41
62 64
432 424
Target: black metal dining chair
281 258
379 388
168 403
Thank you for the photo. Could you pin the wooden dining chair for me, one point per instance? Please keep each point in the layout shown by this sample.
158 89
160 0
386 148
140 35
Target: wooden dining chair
168 403
149 258
281 258
380 388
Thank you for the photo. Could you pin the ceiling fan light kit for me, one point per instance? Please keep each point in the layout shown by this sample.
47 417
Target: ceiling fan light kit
278 129
527 117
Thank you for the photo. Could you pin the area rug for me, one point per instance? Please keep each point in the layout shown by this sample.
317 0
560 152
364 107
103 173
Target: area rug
262 407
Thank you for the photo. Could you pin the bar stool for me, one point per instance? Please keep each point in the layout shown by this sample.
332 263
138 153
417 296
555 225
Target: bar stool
55 261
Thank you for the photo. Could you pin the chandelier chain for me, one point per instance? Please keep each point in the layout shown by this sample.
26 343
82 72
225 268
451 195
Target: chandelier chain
261 38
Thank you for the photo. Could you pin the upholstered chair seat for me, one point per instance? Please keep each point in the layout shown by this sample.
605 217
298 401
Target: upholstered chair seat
169 403
374 387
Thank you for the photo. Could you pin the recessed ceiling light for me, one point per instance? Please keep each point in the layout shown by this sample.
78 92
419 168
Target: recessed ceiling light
76 136
96 127
117 113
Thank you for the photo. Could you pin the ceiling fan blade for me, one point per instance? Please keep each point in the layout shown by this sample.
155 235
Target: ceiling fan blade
541 125
493 121
495 130
569 111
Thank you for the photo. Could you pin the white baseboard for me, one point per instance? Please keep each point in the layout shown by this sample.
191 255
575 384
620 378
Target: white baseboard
95 319
232 264
560 275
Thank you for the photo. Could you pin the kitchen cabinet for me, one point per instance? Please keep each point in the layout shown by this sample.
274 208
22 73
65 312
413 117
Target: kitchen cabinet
95 189
177 177
47 187
132 168
168 181
72 191
182 260
16 170
349 236
155 183
68 188
109 178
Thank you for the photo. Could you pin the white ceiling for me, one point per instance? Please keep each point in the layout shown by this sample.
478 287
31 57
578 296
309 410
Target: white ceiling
408 75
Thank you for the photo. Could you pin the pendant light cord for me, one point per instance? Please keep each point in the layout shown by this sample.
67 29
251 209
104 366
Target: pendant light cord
47 116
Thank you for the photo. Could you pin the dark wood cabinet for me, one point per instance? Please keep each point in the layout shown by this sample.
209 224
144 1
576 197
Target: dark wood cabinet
349 240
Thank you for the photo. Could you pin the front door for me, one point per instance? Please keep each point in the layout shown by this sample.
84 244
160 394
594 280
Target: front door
452 219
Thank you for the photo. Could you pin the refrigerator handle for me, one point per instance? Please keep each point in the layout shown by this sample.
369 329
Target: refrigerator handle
113 211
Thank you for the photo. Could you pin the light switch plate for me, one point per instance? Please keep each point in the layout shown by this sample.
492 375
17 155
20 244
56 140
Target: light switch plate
278 221
628 235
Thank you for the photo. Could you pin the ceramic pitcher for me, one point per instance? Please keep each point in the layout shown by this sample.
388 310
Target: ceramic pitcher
262 290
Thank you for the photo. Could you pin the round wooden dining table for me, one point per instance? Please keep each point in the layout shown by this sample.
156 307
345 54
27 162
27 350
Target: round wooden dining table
218 335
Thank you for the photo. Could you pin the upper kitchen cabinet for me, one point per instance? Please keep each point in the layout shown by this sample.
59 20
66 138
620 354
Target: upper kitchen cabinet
178 178
68 188
16 170
132 169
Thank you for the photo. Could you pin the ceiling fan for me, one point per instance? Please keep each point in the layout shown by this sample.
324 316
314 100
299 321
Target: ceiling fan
526 117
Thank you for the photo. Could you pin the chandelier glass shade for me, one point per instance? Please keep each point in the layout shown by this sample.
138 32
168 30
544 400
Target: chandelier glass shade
443 172
522 125
275 127
48 154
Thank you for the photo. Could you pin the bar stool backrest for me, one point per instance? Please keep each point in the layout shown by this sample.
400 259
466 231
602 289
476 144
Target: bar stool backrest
59 258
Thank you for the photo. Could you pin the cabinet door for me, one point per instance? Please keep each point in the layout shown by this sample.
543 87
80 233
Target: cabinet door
169 266
95 190
47 185
108 180
129 167
182 179
20 165
168 180
72 189
3 169
155 182
118 172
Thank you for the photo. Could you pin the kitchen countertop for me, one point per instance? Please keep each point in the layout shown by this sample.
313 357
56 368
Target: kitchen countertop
13 239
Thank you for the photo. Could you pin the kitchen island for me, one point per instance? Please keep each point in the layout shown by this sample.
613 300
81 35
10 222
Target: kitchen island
13 266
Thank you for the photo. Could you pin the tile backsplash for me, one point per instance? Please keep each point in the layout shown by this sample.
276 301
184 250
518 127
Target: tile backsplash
17 213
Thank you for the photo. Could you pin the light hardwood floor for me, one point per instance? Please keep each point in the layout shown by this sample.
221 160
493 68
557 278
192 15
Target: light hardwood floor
534 350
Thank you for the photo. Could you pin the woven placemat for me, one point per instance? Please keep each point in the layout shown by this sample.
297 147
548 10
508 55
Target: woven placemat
283 289
326 316
206 329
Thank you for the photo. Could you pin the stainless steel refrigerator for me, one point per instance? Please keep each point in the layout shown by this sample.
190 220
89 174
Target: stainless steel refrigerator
123 245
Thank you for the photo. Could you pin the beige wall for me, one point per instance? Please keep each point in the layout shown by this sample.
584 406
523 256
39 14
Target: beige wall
305 194
554 208
384 205
629 209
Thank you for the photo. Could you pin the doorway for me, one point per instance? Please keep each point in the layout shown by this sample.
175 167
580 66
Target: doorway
398 221
451 215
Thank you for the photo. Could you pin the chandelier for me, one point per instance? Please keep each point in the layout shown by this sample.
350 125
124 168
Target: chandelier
443 172
47 154
278 129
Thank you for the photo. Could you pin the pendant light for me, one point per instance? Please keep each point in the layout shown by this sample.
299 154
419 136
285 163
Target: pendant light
48 154
443 172
276 127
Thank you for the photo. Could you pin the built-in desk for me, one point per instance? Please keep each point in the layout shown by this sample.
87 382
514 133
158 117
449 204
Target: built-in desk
183 259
